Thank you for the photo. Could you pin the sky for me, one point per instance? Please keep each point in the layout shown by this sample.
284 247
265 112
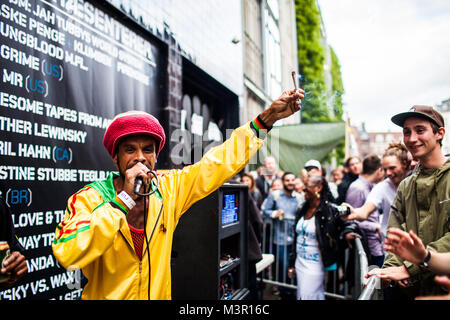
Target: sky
393 54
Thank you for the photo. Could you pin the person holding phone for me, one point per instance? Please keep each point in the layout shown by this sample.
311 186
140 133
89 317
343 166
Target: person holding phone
14 266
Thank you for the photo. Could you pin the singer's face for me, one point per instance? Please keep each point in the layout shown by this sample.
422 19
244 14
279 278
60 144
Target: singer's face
134 149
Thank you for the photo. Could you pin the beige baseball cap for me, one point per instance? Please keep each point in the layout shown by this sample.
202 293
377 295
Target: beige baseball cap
425 112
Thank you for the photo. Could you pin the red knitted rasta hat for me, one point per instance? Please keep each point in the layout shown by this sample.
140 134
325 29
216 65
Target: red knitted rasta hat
133 122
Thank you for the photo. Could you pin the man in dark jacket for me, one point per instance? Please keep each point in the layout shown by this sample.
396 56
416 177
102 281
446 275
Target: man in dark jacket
267 175
352 168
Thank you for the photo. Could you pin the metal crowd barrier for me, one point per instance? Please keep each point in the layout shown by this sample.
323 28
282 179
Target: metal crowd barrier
272 275
370 291
362 289
361 267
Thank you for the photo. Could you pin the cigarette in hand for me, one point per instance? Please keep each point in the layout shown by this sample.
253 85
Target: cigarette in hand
294 79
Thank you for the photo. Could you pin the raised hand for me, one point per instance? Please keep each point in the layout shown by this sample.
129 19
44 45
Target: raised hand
287 104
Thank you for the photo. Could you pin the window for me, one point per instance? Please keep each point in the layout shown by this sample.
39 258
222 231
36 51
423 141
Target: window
253 42
273 49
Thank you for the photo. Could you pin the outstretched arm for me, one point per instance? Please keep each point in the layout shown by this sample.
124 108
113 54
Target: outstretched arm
443 281
220 163
287 104
361 213
408 246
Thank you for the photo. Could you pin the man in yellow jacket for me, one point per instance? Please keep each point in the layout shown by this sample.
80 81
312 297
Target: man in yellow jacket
106 222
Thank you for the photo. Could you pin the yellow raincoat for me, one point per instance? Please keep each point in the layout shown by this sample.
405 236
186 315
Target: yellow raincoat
94 234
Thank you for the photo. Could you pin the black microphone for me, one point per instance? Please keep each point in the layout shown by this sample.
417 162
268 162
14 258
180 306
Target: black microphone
137 184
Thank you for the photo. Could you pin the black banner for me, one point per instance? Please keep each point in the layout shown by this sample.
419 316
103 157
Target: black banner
67 67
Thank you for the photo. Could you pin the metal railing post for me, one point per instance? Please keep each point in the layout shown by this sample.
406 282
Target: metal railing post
365 290
370 288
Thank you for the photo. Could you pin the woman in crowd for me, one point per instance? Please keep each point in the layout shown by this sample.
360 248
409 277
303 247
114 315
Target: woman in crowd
277 184
247 178
318 228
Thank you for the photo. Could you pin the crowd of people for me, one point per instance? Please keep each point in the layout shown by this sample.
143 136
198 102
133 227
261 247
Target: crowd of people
308 235
398 206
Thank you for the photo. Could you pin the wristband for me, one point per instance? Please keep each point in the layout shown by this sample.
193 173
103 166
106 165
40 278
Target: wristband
268 128
126 199
427 259
260 125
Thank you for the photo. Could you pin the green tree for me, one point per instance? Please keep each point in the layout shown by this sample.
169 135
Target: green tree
337 86
311 58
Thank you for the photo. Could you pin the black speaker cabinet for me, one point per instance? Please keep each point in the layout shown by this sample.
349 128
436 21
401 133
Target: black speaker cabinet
209 254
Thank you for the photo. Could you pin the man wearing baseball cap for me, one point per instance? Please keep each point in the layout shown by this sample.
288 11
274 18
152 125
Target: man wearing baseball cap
314 168
422 203
313 164
106 222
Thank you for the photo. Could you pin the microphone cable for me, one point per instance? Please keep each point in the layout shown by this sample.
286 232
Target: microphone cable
147 240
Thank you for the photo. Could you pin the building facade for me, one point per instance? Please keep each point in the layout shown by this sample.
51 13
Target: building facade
228 60
363 143
270 53
444 109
